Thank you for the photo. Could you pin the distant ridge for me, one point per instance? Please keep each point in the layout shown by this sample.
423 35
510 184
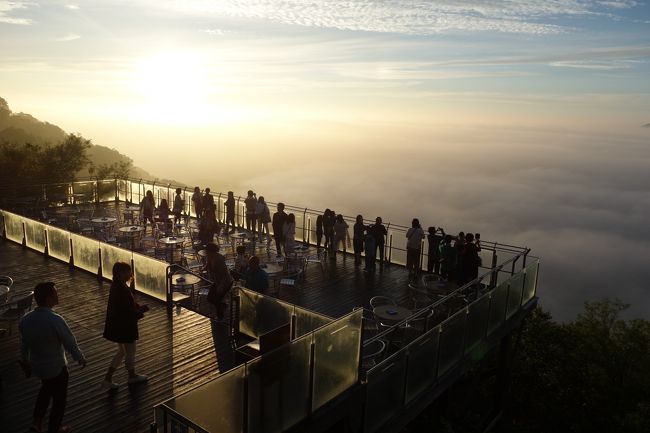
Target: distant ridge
21 128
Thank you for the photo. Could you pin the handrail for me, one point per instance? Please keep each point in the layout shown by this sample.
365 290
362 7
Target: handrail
440 302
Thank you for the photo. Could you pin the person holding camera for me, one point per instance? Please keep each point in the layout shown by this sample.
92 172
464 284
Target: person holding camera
121 326
414 237
435 239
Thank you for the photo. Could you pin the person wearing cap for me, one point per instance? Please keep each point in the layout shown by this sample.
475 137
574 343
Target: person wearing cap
45 336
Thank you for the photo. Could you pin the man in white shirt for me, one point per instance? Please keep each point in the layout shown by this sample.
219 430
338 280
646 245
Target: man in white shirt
44 338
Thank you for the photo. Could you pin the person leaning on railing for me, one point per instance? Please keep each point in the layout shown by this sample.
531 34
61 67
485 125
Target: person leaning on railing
414 237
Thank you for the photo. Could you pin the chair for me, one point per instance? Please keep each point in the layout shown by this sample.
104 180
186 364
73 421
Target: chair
418 326
318 258
6 281
378 301
419 297
372 353
17 306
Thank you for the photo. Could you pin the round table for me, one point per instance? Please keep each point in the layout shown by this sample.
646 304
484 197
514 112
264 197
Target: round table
391 313
169 243
300 248
272 268
184 280
104 220
132 232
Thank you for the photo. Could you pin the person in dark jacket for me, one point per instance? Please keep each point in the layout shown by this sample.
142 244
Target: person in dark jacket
379 231
230 212
319 230
357 239
279 218
121 327
470 261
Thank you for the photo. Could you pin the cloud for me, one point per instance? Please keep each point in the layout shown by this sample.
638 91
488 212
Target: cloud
412 18
68 37
6 9
72 7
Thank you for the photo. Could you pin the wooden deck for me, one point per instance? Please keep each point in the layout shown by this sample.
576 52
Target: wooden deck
177 353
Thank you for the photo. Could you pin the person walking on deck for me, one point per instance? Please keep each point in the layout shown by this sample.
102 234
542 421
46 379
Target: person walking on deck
45 336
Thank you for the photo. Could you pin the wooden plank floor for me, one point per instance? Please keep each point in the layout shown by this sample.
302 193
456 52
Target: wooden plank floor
177 353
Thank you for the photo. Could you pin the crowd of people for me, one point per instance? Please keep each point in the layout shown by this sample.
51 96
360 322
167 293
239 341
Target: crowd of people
452 257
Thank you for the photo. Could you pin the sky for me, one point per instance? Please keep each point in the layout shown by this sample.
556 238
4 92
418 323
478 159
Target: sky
519 119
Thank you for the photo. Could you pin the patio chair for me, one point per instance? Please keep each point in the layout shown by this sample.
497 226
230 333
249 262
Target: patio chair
378 301
17 306
6 281
372 354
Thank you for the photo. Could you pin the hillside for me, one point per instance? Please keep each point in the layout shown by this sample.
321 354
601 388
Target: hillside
21 128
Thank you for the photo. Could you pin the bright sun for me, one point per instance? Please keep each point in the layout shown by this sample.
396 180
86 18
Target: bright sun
172 88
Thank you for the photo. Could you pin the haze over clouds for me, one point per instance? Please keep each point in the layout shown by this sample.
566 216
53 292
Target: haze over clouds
519 119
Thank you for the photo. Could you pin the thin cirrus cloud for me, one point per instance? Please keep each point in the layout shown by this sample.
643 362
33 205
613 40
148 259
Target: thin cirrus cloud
413 18
8 12
69 37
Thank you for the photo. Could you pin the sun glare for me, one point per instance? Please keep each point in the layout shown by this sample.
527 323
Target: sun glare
173 88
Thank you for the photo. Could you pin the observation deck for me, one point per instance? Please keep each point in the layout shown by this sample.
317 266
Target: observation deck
343 367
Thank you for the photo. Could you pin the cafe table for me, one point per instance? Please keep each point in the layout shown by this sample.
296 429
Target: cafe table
391 314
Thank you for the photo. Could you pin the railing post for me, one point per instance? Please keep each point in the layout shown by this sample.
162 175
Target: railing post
99 269
309 231
168 292
46 252
304 217
238 212
219 207
514 262
493 277
390 249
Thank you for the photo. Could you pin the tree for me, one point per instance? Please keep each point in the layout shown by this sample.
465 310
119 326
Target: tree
587 375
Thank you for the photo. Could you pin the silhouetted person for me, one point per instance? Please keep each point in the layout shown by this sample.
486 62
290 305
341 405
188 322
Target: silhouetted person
263 215
221 279
319 230
251 209
379 232
357 239
414 237
341 234
208 226
447 259
197 201
256 278
329 219
370 249
147 206
121 326
435 239
207 201
279 218
179 204
470 260
44 336
459 245
230 211
163 215
289 234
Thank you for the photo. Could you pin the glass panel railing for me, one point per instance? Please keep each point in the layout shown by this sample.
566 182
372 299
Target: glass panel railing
336 357
161 192
85 252
136 192
84 191
278 387
217 406
106 190
14 227
150 276
385 391
530 282
57 193
514 294
259 314
422 364
307 321
123 189
111 255
35 235
477 321
451 342
498 306
58 243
